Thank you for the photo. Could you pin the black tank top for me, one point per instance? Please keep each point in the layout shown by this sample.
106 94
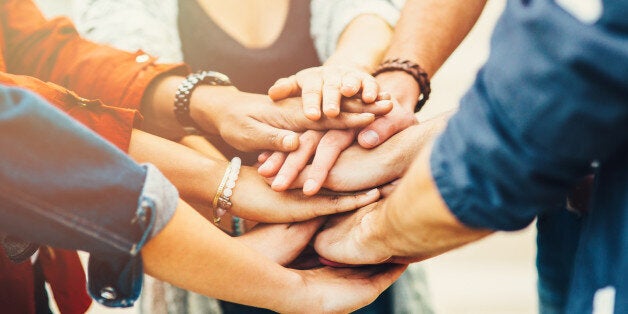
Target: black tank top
207 47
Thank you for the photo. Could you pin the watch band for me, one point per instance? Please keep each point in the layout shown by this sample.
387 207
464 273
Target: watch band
184 94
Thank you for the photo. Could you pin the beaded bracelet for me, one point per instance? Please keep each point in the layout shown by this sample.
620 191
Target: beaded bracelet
415 71
222 202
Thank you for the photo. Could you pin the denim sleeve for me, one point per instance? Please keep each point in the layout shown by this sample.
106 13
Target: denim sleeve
551 99
63 185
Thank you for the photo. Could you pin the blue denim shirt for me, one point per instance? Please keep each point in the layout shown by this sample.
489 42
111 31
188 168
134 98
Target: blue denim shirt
63 185
551 100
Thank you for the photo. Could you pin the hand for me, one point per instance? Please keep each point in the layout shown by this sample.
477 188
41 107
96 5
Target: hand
325 147
401 86
253 199
350 239
282 243
358 168
341 290
329 289
251 122
327 85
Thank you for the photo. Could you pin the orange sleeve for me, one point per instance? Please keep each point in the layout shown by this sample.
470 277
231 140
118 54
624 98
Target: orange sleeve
53 51
112 123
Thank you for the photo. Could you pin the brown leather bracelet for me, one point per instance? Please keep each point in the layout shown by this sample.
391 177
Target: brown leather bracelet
419 75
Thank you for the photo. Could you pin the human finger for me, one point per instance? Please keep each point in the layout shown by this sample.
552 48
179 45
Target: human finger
261 158
331 95
351 84
296 160
281 243
370 88
327 151
284 88
385 127
271 166
378 108
311 89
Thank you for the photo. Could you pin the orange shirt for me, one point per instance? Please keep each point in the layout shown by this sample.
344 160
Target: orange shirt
51 59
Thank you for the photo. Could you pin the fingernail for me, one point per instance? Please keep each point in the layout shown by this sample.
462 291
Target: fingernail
372 192
265 167
349 87
312 113
370 137
368 95
332 112
384 102
289 141
279 182
309 185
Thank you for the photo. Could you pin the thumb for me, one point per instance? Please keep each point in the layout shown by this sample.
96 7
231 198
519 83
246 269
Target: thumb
284 88
383 128
267 137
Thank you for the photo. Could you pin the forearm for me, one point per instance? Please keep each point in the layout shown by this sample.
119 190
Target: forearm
195 176
429 31
363 43
415 221
185 254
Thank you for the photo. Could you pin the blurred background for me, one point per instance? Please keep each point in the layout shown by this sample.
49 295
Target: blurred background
496 275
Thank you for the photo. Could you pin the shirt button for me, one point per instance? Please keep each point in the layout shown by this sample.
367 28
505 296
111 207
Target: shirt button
142 58
108 293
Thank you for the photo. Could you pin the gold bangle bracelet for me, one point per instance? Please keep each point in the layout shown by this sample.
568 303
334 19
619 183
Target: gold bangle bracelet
221 187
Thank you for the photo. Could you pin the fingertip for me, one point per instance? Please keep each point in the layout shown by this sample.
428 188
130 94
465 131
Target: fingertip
384 96
374 193
332 111
266 169
290 142
263 156
310 187
312 113
368 139
280 183
349 90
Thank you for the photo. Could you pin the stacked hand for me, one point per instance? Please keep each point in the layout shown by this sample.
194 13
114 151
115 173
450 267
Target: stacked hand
250 122
328 87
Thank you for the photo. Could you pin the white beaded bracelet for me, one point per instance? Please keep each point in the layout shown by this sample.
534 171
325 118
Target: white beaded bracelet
222 202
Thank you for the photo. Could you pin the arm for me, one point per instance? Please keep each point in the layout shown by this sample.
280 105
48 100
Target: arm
174 256
111 207
198 177
427 33
63 185
330 19
53 51
344 73
500 141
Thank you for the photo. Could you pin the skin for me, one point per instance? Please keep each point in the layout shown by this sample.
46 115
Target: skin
411 225
444 24
377 166
173 255
197 178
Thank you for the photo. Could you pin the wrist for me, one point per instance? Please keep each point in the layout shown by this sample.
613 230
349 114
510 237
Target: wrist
402 86
292 294
206 105
415 71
